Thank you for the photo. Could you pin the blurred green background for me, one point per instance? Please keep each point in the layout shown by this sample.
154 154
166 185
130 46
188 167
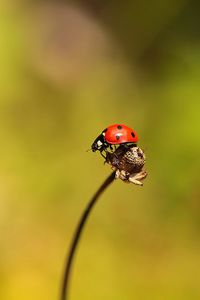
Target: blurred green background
68 69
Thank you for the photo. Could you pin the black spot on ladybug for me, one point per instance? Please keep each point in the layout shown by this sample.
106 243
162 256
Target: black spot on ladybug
119 127
117 137
133 134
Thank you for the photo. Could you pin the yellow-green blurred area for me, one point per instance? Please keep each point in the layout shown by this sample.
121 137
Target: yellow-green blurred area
68 69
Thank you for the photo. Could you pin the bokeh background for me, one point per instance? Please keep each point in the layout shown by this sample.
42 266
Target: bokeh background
68 69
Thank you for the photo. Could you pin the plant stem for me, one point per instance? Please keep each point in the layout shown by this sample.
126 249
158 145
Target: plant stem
77 234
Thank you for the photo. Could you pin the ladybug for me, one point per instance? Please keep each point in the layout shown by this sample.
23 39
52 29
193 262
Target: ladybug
116 134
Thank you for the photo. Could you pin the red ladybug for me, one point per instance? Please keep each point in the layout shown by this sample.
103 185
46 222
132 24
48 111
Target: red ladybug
116 134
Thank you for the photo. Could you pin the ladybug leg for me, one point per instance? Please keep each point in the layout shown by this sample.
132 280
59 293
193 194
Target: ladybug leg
104 156
104 148
111 148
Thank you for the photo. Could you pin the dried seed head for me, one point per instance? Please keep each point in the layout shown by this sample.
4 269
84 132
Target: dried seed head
128 162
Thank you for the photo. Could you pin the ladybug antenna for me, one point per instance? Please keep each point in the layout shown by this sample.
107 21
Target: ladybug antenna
90 149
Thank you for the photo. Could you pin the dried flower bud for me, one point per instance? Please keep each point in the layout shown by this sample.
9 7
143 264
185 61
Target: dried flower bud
128 162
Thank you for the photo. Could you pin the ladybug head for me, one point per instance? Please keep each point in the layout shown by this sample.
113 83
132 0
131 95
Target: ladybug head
99 143
94 147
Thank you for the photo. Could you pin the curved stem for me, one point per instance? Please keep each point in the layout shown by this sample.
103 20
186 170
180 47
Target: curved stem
77 234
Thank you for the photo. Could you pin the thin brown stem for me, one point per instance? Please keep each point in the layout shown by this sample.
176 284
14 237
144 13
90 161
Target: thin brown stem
77 234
